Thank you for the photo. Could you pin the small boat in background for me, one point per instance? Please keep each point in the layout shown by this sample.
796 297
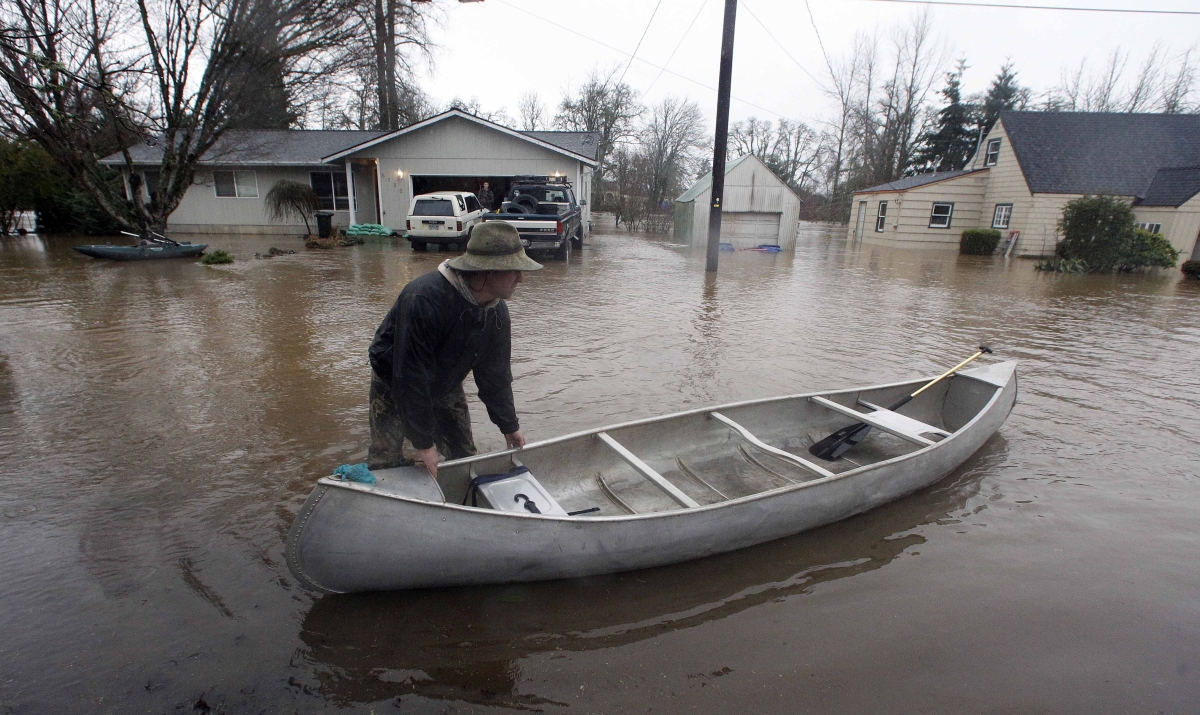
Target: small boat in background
644 493
149 247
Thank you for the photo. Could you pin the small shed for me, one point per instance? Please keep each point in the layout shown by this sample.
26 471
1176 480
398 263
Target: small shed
759 208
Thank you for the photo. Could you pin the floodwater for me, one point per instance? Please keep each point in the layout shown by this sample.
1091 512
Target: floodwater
160 424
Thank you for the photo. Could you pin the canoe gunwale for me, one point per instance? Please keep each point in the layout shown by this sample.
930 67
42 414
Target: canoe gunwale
965 429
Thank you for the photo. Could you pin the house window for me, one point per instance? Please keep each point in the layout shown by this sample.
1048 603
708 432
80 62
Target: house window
150 180
1151 227
236 184
881 217
331 190
1001 215
993 153
939 217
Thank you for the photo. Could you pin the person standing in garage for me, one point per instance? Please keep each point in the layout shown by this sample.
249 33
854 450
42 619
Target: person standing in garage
445 324
486 197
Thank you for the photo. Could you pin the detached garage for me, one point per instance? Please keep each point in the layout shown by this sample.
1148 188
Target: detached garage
759 208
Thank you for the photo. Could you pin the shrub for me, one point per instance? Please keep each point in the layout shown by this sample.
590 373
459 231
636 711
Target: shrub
1097 230
288 199
979 241
1191 268
1148 250
213 258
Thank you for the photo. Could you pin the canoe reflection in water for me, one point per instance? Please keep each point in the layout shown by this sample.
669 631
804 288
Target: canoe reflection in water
465 644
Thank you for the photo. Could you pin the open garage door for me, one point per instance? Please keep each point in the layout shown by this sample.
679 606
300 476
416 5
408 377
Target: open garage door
747 229
430 184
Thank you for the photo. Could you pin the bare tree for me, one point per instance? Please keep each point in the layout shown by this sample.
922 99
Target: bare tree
1161 84
84 79
1177 88
751 136
603 105
671 140
475 107
532 112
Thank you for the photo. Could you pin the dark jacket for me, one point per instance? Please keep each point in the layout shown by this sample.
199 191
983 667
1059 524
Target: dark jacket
431 338
486 198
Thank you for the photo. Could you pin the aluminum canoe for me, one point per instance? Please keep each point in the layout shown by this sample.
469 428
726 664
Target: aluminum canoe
668 489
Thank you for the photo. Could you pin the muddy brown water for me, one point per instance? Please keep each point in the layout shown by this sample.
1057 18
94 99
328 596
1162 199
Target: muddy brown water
161 422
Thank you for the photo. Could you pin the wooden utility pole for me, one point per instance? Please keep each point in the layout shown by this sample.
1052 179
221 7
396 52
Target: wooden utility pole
721 140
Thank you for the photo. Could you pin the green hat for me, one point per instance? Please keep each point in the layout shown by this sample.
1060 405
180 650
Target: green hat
494 246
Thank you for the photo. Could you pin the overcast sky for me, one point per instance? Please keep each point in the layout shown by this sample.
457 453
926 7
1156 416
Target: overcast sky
496 50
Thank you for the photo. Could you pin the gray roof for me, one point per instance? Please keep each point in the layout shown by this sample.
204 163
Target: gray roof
583 143
1089 152
1172 187
912 182
306 147
705 182
263 147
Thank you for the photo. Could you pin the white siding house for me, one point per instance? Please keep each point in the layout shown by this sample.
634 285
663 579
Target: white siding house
758 208
1030 165
451 151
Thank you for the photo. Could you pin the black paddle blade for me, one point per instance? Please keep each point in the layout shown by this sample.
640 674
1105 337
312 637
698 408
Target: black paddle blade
838 443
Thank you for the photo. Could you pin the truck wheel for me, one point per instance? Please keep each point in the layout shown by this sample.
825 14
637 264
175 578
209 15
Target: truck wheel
418 245
563 252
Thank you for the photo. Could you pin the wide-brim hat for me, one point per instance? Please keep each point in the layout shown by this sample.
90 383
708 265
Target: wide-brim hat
494 246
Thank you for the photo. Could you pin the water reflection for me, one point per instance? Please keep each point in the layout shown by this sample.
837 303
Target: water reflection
467 643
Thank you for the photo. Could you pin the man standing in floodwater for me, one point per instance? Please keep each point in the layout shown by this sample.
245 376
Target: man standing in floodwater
486 197
445 324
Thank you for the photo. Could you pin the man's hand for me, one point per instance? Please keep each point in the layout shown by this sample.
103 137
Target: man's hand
516 440
429 457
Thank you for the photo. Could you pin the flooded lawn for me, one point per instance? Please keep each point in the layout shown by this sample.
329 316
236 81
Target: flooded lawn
161 422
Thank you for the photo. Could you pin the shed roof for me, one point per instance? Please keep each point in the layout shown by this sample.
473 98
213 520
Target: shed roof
1092 152
261 147
705 182
911 182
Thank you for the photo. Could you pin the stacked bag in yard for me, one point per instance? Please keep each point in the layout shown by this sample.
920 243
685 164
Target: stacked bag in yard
368 229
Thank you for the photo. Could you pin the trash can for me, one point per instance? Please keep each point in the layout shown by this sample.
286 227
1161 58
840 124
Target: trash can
324 223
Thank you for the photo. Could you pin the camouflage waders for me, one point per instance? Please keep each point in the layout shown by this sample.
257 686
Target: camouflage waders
388 430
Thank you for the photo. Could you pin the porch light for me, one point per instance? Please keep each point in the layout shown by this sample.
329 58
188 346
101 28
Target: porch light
399 174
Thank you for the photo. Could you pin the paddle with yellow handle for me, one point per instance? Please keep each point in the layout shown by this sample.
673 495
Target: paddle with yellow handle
836 444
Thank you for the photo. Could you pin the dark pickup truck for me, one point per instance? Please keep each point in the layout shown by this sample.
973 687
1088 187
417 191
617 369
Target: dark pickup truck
545 212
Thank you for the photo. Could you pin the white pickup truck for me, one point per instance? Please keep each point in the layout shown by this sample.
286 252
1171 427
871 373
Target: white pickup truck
445 218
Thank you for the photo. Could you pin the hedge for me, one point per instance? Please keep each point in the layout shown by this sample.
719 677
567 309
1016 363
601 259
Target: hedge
1191 268
979 241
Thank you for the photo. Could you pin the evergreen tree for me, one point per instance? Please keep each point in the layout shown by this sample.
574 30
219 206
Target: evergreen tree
1004 94
949 142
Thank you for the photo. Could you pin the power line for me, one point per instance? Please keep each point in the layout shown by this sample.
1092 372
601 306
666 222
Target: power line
677 46
639 59
820 42
1041 7
639 44
777 42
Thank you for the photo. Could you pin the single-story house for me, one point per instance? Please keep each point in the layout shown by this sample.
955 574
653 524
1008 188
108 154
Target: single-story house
1026 170
758 208
364 176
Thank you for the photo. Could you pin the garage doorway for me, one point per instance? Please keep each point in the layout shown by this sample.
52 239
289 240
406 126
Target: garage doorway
429 184
747 229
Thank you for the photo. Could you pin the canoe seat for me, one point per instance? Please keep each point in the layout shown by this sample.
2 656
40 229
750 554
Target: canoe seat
902 426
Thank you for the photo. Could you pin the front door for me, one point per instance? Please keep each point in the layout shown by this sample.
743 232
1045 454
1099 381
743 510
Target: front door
862 217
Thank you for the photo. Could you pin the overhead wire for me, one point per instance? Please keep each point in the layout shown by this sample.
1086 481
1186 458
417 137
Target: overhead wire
820 43
639 44
677 46
1012 6
639 59
777 42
